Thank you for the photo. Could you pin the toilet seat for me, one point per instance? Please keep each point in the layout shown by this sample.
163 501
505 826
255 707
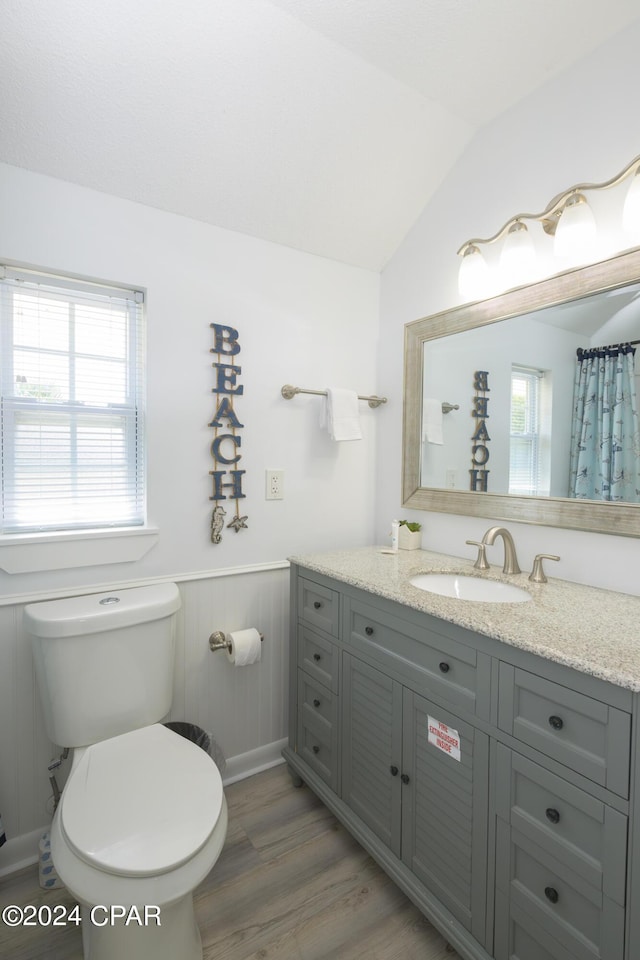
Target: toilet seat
141 804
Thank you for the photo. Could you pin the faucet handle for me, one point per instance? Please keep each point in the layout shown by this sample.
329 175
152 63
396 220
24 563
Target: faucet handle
537 574
481 560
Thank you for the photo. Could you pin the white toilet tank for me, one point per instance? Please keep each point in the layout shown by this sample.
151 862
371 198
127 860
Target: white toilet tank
104 662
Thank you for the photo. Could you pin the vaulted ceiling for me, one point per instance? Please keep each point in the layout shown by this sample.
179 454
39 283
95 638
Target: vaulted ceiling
324 125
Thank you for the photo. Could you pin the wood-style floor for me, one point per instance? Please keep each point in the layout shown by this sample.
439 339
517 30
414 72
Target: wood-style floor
290 884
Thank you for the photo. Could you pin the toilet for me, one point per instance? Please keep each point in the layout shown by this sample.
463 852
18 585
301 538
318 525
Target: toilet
142 817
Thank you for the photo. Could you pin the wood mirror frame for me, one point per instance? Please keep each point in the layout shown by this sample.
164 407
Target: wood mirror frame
620 519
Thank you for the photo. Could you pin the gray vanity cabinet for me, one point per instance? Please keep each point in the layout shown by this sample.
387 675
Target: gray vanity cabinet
494 786
445 810
428 806
372 749
560 865
316 675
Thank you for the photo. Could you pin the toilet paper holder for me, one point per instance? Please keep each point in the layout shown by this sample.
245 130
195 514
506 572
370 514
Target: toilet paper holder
218 641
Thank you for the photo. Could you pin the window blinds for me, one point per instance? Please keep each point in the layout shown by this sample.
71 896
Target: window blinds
71 376
524 447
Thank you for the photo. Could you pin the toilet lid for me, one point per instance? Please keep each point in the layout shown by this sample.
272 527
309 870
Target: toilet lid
142 803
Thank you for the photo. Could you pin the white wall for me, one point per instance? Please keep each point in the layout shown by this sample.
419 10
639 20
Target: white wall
302 320
576 128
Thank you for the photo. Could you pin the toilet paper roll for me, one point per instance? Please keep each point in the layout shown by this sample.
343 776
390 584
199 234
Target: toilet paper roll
245 647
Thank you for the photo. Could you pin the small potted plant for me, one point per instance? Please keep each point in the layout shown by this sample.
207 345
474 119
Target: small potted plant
409 535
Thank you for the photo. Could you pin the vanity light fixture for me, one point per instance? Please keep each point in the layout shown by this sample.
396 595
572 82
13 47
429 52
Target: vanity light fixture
576 231
473 278
518 256
567 218
631 211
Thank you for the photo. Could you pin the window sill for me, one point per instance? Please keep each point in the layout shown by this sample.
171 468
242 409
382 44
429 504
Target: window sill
34 552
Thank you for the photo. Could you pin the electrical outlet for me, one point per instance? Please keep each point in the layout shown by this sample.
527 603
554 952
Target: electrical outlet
275 485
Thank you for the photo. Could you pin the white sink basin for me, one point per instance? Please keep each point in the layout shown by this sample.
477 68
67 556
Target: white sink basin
461 587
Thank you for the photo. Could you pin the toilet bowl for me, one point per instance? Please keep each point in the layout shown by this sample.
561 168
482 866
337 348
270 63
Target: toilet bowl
142 818
127 834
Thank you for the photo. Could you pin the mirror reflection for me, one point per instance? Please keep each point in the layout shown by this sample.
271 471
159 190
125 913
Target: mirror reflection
547 403
509 364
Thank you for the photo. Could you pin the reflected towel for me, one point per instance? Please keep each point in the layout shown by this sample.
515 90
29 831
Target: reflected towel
340 414
432 421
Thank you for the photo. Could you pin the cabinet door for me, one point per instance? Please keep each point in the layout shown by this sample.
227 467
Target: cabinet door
372 748
445 808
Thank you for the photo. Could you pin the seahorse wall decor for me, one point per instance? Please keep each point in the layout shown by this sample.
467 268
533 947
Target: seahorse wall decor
226 444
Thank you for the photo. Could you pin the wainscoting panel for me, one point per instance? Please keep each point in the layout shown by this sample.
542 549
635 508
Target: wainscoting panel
244 708
25 750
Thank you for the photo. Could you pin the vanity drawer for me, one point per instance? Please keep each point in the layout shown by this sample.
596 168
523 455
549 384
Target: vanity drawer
582 733
318 744
319 606
563 821
433 664
578 917
316 700
318 657
518 938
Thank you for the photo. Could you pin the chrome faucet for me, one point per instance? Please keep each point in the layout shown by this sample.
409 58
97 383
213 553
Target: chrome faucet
510 559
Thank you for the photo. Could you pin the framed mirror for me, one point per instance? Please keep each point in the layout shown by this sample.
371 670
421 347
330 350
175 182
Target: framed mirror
447 356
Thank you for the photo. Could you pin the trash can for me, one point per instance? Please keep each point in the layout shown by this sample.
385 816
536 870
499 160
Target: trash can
201 738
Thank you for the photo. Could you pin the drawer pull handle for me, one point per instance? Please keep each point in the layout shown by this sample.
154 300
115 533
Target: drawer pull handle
404 777
317 657
551 894
444 666
317 604
316 702
552 815
556 722
393 771
368 631
315 748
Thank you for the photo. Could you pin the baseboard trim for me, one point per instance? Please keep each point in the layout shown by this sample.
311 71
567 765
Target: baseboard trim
22 851
254 761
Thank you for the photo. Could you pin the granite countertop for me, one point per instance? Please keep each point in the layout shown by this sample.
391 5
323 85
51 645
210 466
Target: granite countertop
592 630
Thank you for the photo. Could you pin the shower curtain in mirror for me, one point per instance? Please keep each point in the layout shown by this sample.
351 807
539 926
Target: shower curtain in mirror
605 438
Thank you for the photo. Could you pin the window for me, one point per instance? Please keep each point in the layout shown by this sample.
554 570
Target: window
528 447
71 378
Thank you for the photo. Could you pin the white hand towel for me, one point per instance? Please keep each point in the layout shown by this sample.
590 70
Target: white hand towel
432 421
340 414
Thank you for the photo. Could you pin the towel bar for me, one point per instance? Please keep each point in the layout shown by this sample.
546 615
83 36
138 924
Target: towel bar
289 392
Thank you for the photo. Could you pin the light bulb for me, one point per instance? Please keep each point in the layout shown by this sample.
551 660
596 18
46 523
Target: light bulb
473 277
576 229
631 210
518 257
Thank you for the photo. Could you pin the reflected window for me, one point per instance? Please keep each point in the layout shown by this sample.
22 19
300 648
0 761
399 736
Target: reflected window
530 432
